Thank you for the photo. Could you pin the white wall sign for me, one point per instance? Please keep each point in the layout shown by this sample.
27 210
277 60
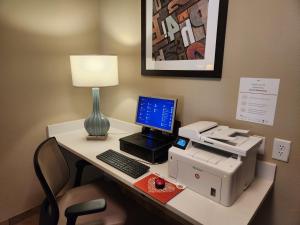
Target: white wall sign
257 100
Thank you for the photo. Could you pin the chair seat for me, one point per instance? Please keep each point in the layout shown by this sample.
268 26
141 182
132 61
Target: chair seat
115 213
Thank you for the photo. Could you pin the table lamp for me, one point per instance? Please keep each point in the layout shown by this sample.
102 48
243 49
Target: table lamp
95 71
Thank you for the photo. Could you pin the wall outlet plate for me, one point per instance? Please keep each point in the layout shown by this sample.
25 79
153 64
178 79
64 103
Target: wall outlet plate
281 149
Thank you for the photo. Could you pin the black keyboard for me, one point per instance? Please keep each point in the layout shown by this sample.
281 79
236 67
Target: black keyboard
123 163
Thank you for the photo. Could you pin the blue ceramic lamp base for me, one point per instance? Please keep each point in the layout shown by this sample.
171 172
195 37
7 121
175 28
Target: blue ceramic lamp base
97 125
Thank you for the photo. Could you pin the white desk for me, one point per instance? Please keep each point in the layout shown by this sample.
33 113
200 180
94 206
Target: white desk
188 204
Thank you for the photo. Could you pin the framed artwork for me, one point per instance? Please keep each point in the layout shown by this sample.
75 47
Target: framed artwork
183 37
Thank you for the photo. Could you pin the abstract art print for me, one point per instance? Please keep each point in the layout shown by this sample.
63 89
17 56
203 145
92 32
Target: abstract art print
183 37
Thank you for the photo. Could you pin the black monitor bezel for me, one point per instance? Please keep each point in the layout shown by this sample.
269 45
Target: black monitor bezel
152 127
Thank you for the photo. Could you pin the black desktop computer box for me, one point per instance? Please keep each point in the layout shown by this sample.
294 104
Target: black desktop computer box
151 150
159 129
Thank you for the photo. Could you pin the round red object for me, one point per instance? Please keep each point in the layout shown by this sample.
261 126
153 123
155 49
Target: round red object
159 183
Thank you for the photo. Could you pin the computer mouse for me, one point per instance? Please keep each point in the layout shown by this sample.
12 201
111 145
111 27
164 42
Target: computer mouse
159 183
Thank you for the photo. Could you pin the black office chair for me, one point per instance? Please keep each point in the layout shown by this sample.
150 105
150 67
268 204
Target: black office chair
93 204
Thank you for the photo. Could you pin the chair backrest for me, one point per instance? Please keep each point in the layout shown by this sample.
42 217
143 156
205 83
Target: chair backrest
53 173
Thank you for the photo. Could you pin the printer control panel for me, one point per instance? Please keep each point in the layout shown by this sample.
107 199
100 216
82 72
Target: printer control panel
181 142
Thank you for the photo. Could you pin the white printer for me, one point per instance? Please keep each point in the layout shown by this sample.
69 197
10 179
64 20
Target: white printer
217 162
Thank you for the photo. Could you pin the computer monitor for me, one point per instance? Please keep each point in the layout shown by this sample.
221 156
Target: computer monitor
157 113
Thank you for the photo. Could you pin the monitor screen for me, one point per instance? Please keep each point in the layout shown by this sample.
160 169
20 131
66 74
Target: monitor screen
157 113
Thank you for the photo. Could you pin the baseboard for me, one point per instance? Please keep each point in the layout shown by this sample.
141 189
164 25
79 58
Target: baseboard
4 222
16 219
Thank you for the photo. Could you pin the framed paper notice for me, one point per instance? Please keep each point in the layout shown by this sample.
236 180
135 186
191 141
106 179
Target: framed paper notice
257 100
183 37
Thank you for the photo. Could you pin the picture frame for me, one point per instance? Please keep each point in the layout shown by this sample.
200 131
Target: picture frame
183 38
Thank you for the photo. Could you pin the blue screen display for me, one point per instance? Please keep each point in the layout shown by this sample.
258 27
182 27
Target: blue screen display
181 142
156 113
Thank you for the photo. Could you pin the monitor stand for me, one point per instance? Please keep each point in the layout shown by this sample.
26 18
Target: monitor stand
150 145
161 135
155 134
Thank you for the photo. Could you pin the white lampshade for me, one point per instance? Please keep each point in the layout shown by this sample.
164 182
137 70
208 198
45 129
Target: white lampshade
94 70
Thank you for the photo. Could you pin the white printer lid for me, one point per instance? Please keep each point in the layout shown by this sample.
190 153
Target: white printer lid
223 138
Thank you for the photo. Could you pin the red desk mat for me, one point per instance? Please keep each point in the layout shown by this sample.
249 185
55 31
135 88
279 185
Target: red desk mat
147 185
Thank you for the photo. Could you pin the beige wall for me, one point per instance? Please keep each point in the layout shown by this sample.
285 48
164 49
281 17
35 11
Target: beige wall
36 38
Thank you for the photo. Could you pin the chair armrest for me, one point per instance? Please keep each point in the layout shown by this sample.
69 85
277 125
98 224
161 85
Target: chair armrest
85 208
80 165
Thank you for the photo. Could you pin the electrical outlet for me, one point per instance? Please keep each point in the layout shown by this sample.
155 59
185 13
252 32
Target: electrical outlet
281 149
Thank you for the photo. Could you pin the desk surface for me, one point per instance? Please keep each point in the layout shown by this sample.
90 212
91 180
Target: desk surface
188 204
